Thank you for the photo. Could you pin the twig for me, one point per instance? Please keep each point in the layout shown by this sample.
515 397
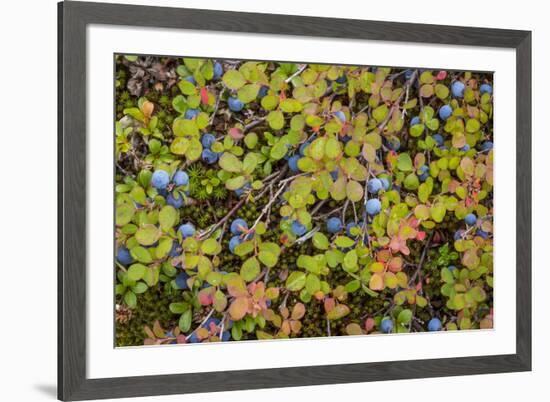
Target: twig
268 206
216 106
422 257
201 324
328 327
298 72
308 235
212 228
254 124
397 102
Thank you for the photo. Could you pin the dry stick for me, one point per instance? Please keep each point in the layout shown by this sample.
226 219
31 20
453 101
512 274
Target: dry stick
201 324
224 219
397 102
328 327
422 257
298 72
318 207
307 236
344 210
267 206
254 124
216 106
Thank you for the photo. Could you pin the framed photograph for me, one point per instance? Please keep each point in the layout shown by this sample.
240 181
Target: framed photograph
256 201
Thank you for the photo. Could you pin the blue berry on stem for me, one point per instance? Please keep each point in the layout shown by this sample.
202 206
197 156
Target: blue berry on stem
160 179
187 230
334 225
239 226
181 178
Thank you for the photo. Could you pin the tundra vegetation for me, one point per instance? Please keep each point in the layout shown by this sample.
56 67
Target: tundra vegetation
266 200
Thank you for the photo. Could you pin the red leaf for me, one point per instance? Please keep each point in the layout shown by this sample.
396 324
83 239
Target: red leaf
441 75
369 324
204 96
420 235
236 133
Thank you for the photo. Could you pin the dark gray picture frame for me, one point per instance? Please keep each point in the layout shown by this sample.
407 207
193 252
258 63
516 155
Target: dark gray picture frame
73 18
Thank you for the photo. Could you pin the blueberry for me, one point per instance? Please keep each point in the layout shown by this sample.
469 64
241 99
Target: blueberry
458 234
187 230
373 206
438 139
181 280
191 79
160 179
486 146
193 338
470 219
340 115
303 147
215 321
209 157
234 242
445 112
465 148
191 113
180 178
415 120
175 201
235 104
298 229
293 163
481 233
434 325
457 89
408 74
175 251
451 268
374 186
385 183
123 256
262 92
386 326
334 225
240 191
207 140
394 144
485 88
425 173
239 226
226 336
341 80
334 174
218 70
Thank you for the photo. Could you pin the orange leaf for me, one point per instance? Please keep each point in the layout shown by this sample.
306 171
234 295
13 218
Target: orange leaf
238 308
376 282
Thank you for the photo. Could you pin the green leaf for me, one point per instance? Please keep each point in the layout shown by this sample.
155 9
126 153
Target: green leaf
235 183
267 258
416 130
380 113
130 299
354 191
178 308
313 283
320 241
210 246
244 248
296 281
276 120
405 316
333 148
248 93
441 91
437 212
187 88
279 150
344 241
233 79
230 163
179 146
309 263
472 125
141 254
167 217
136 272
124 214
404 162
185 320
147 234
339 311
250 269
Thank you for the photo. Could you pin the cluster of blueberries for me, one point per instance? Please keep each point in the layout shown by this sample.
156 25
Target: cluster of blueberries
161 180
470 220
457 90
386 326
334 225
239 229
